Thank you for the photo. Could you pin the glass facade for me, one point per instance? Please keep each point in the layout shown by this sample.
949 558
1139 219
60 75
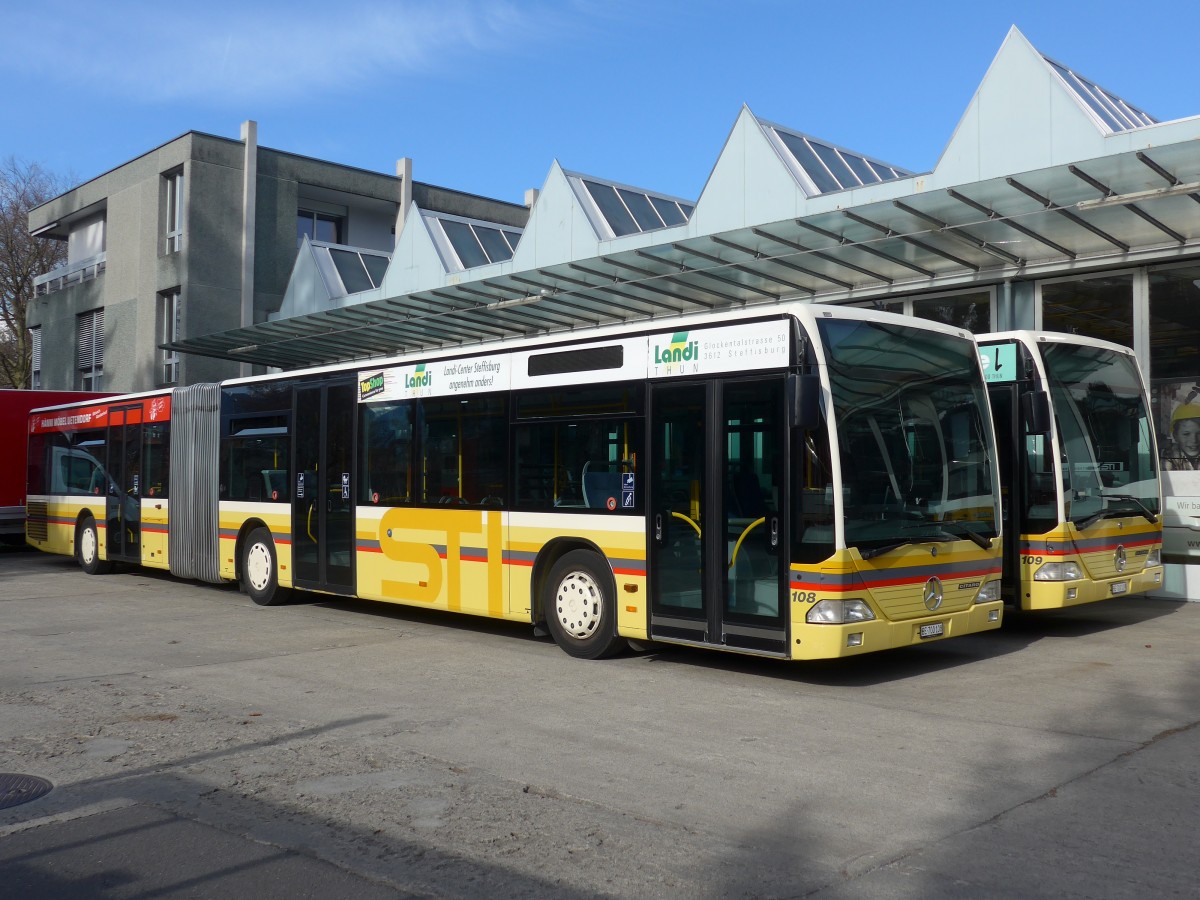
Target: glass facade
1100 307
1174 340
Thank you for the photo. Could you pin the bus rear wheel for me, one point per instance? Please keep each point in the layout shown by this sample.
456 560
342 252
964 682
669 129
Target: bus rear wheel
579 601
87 548
260 571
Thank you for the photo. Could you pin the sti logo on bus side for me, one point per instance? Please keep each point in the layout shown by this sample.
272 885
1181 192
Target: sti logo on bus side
680 350
369 387
419 378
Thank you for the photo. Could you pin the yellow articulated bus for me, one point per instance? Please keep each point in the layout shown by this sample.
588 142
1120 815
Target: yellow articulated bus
802 483
1079 469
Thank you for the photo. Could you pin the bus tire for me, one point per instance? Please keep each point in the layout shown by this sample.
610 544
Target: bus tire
260 569
579 602
87 548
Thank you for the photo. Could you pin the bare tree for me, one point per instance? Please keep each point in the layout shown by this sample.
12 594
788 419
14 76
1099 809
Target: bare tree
23 186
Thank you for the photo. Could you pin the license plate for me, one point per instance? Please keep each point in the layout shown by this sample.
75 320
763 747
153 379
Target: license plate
1120 587
934 629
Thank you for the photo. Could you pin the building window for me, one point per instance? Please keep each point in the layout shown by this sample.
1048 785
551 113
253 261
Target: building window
1095 307
174 211
319 226
90 329
970 311
35 358
170 313
1175 396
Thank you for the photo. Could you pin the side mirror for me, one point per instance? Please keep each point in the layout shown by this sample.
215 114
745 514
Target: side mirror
804 401
1035 412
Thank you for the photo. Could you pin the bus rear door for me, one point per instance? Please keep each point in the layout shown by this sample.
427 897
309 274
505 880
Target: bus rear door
123 504
323 497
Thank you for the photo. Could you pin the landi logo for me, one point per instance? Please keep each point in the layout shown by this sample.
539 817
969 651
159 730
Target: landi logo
370 386
680 350
419 378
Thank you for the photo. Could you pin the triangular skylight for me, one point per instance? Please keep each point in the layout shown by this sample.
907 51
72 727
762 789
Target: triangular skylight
828 167
467 243
1115 113
617 209
352 269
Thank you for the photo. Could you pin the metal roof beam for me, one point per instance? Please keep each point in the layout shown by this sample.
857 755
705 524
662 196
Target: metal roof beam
1066 214
1107 192
412 335
588 287
1165 175
1016 226
747 269
470 316
684 268
959 233
426 325
844 241
777 261
653 289
497 328
887 231
821 254
537 316
651 275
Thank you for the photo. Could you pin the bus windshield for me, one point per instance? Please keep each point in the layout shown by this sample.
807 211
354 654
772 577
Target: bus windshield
915 447
1109 464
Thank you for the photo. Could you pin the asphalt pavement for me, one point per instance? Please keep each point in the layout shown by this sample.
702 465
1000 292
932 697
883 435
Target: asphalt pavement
198 746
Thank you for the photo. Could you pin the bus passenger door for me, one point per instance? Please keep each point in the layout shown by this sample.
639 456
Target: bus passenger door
323 496
718 559
123 503
1010 442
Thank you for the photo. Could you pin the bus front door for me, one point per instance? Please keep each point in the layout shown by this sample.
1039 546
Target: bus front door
1010 451
323 496
718 561
123 504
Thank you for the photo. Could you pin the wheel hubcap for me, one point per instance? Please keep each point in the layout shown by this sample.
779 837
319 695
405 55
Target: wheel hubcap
577 603
258 566
87 545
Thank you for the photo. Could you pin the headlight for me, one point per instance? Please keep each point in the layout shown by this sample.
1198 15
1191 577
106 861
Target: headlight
839 612
1058 571
989 592
1154 557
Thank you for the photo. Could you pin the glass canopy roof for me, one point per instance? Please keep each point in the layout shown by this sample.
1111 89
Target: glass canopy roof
467 243
832 168
627 210
1117 114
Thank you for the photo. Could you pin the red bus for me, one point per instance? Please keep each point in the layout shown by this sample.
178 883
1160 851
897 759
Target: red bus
14 413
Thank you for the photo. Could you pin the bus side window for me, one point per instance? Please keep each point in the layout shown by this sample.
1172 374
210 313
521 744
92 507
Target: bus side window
813 509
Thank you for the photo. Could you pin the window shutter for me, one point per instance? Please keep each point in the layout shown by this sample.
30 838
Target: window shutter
85 341
91 340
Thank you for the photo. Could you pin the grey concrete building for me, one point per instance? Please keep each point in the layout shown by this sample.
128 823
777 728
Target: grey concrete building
201 235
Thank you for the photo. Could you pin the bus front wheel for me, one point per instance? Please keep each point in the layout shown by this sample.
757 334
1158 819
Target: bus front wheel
87 548
260 573
580 606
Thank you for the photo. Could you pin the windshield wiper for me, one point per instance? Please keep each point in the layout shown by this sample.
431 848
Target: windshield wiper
886 548
939 536
1143 510
960 529
1147 513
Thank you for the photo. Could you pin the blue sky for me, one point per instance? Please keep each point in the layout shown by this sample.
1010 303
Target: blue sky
485 94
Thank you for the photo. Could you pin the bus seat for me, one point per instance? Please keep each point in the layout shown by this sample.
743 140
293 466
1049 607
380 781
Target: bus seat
275 483
599 486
